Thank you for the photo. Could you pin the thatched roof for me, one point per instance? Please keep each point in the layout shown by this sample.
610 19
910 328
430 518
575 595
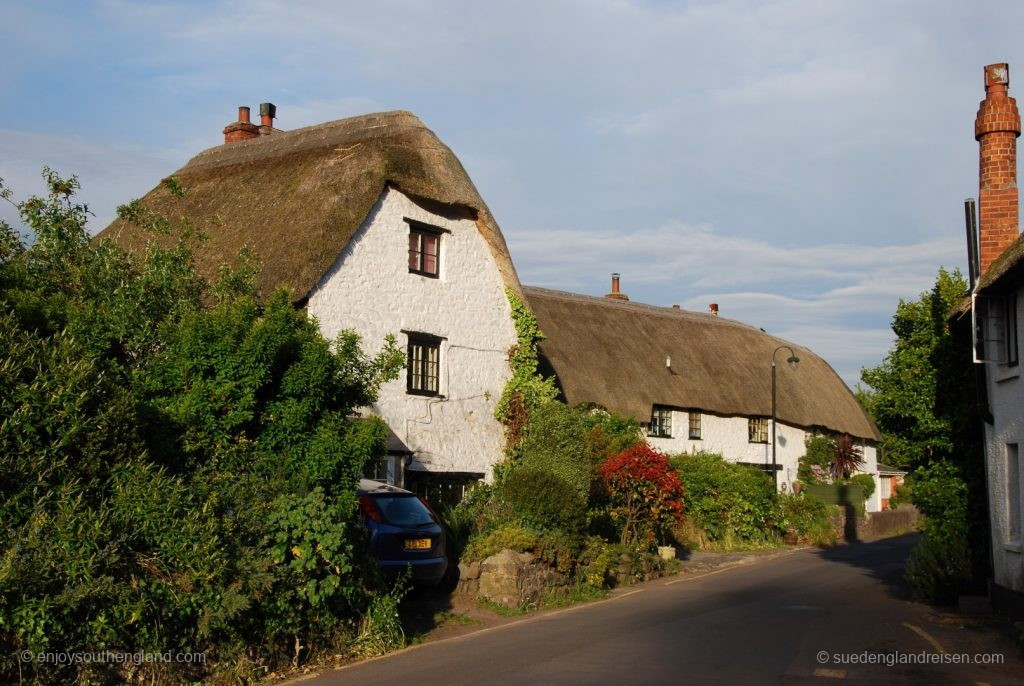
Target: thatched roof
297 197
1009 265
612 352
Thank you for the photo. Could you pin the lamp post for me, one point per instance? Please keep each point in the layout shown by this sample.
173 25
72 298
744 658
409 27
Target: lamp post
792 361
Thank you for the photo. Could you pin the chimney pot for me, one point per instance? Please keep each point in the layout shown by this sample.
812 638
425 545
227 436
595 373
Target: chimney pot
676 307
996 129
615 294
267 114
241 130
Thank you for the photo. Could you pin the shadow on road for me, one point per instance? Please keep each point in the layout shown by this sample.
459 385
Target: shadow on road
884 560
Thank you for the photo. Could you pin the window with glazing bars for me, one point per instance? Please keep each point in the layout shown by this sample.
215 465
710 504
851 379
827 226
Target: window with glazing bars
757 430
694 426
661 422
424 365
424 249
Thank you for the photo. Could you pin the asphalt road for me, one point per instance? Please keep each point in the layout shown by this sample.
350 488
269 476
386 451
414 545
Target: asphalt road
793 619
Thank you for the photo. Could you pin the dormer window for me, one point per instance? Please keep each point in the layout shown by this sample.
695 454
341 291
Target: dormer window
424 249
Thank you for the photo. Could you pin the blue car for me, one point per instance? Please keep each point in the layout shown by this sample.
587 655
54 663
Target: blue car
404 533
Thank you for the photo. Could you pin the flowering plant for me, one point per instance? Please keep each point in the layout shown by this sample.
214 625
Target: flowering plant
645 493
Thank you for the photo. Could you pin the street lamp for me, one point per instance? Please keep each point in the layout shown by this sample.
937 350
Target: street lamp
792 361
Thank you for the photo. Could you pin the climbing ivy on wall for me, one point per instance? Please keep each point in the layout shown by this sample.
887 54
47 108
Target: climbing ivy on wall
526 389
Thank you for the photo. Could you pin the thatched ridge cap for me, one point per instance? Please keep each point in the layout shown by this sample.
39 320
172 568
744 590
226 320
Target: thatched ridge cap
375 125
654 310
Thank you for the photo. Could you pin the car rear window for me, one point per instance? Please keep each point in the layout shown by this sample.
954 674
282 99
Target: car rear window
403 510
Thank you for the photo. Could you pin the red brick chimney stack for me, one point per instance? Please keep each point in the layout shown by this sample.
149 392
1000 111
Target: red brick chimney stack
615 294
241 130
996 129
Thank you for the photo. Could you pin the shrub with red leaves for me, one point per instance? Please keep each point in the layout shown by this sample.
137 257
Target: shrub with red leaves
646 494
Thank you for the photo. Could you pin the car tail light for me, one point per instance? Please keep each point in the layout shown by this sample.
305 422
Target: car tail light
370 508
427 505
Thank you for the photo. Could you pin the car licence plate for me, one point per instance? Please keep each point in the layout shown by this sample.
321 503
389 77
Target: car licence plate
417 544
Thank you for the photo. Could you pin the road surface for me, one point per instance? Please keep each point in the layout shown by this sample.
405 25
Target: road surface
808 617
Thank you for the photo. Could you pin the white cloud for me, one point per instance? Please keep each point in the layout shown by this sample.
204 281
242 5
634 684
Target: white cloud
836 299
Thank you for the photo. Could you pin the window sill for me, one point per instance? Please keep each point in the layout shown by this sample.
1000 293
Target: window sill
1006 373
1015 546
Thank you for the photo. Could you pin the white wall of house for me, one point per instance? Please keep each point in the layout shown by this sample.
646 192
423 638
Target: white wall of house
1004 440
371 290
729 437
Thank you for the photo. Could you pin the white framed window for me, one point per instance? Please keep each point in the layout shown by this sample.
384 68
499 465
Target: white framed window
694 426
757 430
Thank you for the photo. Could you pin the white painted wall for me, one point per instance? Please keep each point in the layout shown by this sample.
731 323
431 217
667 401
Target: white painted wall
729 436
1006 398
369 289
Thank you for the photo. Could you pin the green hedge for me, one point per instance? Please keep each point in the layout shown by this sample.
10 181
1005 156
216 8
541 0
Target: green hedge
838 494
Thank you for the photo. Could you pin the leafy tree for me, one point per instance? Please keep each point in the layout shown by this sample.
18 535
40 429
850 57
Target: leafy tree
177 470
917 394
923 398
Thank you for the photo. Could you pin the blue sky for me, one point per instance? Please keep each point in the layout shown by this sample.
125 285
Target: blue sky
802 163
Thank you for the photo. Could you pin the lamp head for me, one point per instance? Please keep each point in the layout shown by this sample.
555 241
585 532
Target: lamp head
793 361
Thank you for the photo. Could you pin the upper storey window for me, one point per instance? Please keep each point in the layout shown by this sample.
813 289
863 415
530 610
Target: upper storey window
424 249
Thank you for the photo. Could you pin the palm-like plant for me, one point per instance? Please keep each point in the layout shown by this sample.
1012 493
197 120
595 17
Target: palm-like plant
848 457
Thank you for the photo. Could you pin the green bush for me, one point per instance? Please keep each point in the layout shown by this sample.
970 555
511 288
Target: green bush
511 536
729 503
177 466
542 499
808 517
941 566
555 441
820 451
607 434
559 549
597 562
865 481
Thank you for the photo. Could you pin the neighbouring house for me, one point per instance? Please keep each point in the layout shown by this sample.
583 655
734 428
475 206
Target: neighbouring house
997 259
889 479
373 225
698 382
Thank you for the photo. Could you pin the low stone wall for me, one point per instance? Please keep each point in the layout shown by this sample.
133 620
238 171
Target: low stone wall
511 579
875 525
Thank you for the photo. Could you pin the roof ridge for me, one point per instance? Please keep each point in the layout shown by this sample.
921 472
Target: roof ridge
660 310
282 143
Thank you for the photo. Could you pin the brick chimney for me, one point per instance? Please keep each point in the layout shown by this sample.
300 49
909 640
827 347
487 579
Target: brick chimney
267 114
241 130
713 308
615 295
996 129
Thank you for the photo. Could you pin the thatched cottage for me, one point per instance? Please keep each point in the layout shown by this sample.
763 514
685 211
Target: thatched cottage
698 381
373 225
